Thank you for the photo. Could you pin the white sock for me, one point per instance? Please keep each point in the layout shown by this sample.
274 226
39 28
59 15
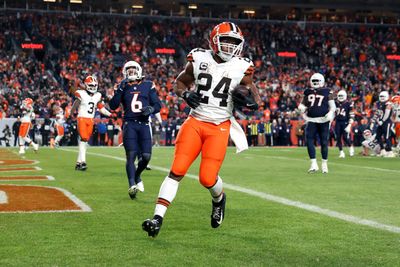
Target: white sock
21 141
217 190
82 151
166 195
313 161
324 161
58 138
27 140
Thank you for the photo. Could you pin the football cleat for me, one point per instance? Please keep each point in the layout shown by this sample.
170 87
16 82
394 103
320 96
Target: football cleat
341 154
132 191
148 168
83 166
152 227
21 150
389 154
351 151
218 212
140 186
78 166
324 166
314 168
35 147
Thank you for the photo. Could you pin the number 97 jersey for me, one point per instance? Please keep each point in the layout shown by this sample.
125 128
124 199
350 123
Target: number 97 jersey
215 82
89 103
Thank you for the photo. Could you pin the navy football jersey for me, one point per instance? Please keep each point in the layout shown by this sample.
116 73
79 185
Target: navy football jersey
344 111
134 97
380 111
317 101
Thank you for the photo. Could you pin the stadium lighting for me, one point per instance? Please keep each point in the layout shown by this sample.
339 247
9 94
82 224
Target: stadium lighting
49 1
137 6
251 12
192 6
75 1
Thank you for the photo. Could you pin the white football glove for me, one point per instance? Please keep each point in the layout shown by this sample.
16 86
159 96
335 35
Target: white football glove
347 129
380 122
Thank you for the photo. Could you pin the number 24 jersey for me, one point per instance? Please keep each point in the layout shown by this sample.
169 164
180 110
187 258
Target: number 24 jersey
215 82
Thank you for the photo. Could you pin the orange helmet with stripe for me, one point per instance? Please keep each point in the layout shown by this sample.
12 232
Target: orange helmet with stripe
226 40
27 103
91 84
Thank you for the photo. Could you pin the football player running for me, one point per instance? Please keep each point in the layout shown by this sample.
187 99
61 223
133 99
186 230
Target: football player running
86 102
396 118
382 118
27 116
59 124
318 108
139 100
215 73
343 121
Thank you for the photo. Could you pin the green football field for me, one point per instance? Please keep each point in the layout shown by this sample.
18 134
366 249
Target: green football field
276 214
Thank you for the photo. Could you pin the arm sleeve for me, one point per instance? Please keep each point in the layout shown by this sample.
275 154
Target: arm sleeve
155 101
116 99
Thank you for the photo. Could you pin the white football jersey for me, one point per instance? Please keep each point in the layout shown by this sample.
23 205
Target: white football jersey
396 112
89 103
372 144
60 118
215 82
27 115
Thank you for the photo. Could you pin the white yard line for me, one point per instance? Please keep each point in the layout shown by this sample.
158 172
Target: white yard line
281 200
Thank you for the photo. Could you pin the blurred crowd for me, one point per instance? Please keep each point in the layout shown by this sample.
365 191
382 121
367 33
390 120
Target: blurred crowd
351 57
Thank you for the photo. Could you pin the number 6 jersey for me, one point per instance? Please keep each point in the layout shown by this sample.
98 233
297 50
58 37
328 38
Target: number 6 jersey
215 82
89 103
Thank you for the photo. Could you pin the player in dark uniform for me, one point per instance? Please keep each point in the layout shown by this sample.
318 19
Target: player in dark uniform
382 118
318 107
139 100
343 121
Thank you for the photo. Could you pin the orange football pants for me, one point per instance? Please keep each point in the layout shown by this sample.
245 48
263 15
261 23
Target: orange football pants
85 128
197 136
24 129
397 129
60 130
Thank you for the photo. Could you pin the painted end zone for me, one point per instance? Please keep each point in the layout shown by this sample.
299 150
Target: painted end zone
8 162
27 178
11 169
32 199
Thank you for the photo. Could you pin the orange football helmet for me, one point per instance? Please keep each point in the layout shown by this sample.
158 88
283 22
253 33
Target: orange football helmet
226 40
91 84
27 103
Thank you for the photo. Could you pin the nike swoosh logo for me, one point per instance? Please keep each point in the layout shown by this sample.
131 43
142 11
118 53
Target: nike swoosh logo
221 218
250 105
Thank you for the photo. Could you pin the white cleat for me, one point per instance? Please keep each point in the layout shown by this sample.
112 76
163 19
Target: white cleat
324 166
389 154
341 154
351 151
140 186
21 151
35 147
383 153
314 168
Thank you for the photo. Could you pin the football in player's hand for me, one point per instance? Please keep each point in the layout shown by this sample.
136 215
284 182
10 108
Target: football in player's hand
242 97
241 90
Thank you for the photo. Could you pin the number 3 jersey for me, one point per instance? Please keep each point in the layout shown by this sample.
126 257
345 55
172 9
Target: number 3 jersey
89 103
215 82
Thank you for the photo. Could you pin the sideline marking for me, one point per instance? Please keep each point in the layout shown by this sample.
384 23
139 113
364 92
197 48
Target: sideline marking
281 200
